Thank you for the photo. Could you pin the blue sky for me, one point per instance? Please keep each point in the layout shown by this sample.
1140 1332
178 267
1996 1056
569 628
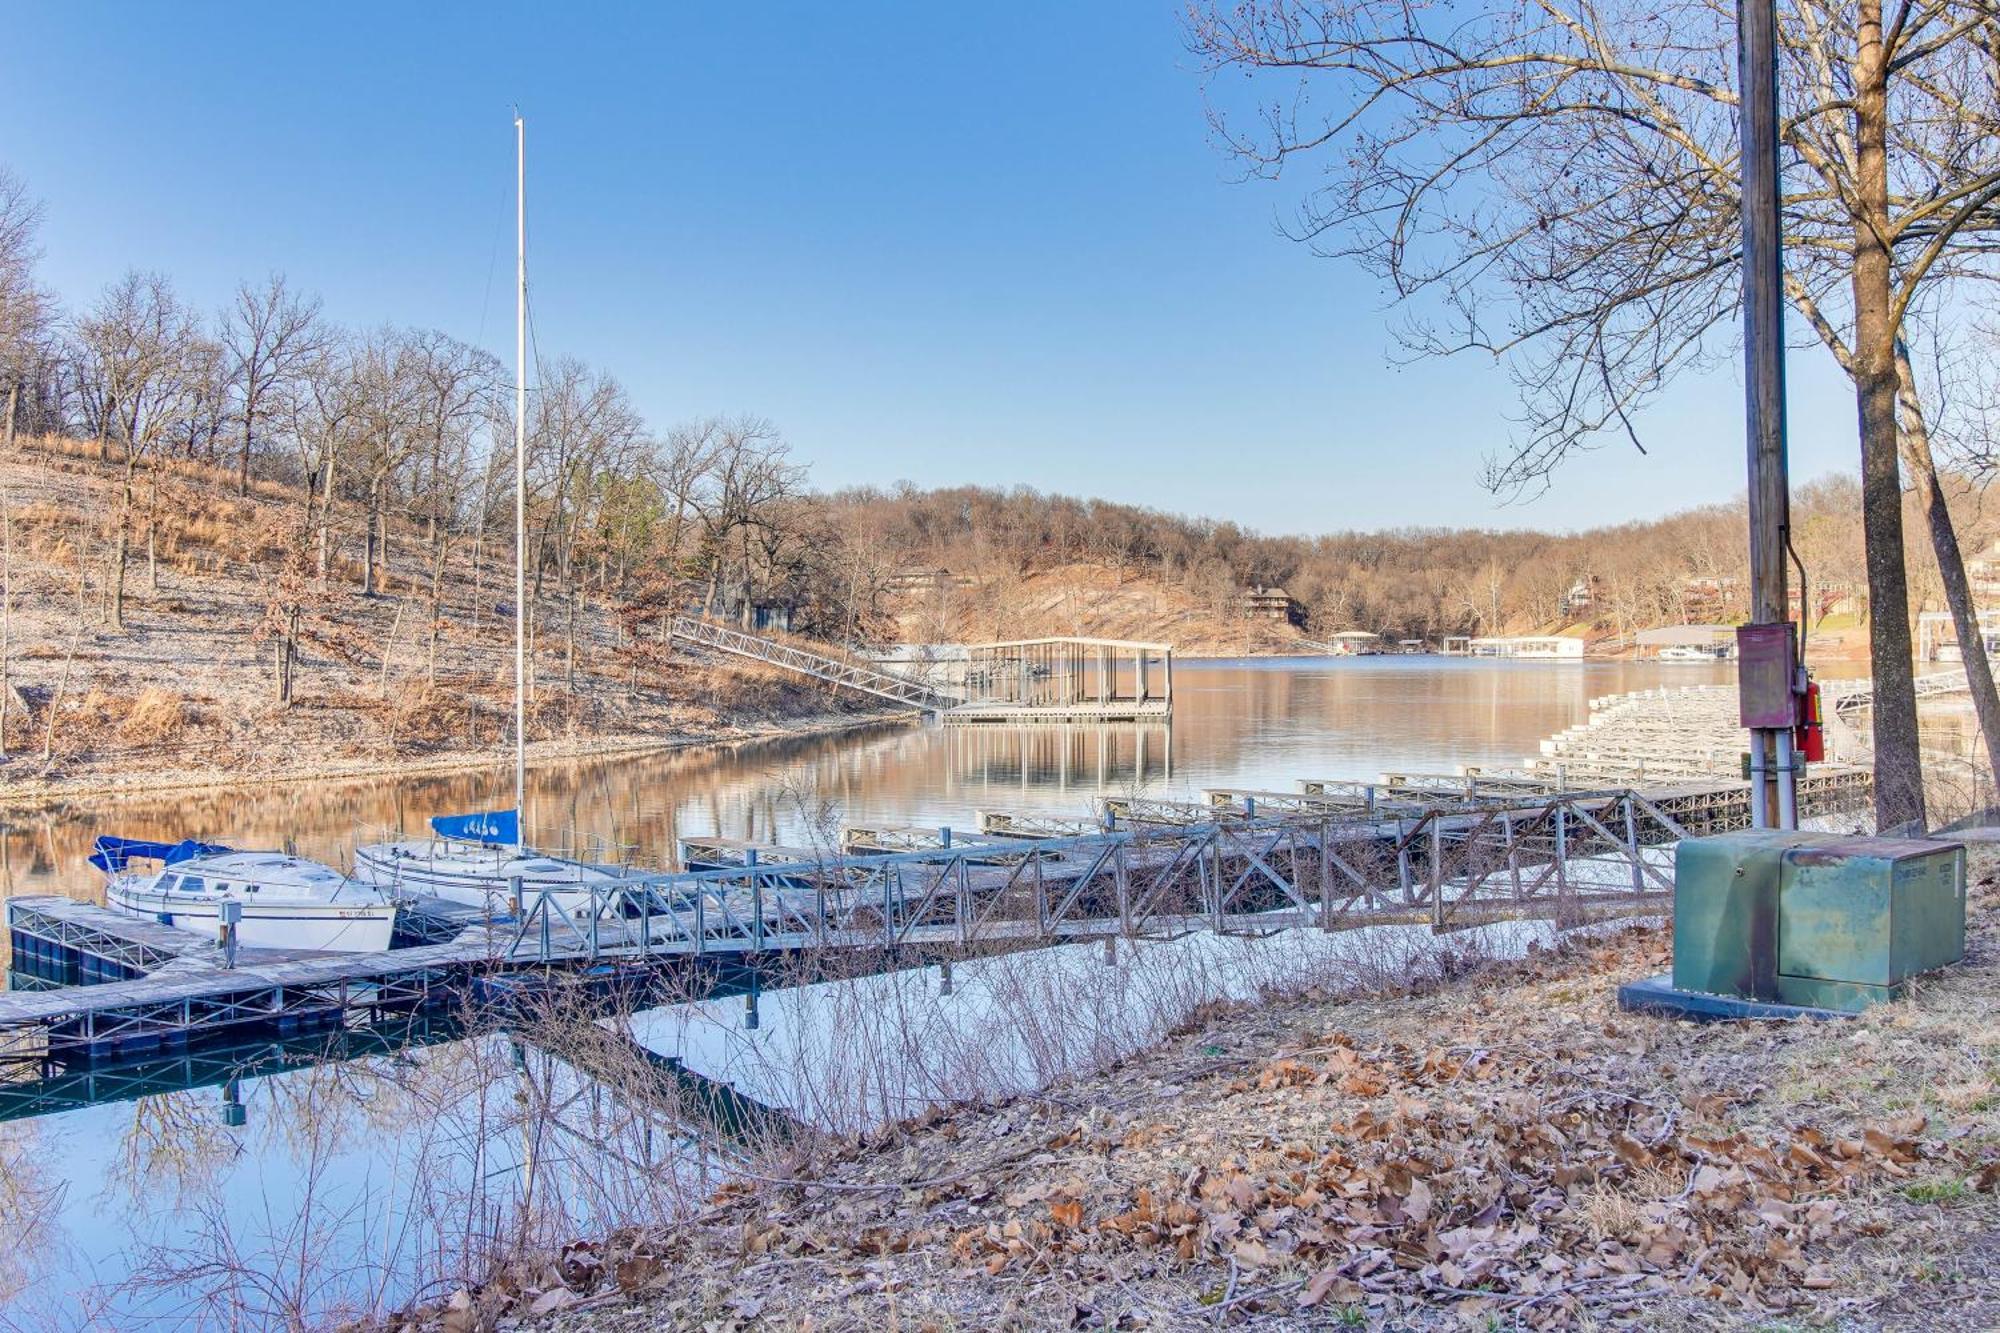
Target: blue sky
940 243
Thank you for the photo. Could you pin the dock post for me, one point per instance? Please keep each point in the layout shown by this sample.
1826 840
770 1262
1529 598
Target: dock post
1513 853
1121 879
1111 951
1632 844
1562 849
751 1020
1215 839
756 900
1402 861
233 1114
1326 875
1437 869
944 977
228 915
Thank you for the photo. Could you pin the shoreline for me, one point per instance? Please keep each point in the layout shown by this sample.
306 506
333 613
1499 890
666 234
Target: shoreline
541 754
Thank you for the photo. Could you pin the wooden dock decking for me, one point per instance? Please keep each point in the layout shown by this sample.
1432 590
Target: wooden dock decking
1134 867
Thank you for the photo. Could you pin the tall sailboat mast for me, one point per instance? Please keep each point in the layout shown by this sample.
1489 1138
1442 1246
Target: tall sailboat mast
520 472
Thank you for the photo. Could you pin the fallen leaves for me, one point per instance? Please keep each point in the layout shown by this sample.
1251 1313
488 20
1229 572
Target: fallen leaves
1503 1178
1512 1156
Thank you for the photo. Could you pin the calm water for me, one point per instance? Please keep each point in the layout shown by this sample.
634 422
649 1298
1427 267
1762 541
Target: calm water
301 1189
1260 723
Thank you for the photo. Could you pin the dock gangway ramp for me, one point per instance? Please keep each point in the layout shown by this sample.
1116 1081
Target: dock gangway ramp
820 666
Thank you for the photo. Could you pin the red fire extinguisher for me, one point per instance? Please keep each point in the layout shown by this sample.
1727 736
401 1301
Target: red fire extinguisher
1809 736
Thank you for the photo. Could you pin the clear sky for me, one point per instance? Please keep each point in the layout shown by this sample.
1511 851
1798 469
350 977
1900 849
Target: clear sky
933 242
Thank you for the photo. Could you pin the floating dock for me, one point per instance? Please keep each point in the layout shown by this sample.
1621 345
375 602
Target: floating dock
1050 681
1131 868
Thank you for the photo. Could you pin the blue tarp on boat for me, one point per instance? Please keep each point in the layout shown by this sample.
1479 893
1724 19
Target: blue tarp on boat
112 854
492 828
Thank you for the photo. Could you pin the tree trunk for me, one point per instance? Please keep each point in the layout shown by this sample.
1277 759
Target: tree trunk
437 615
6 599
1899 790
569 668
1950 561
62 681
243 459
325 517
121 547
368 540
7 572
153 537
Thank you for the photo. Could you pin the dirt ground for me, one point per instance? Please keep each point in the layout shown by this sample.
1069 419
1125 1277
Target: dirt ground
182 694
1505 1150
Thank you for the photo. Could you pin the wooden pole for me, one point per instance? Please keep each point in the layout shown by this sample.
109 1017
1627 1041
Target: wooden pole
1764 372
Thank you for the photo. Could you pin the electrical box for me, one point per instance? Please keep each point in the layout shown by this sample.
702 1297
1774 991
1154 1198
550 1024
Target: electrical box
1817 920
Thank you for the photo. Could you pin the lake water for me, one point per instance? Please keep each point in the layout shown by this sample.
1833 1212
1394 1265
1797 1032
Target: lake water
275 1186
1259 723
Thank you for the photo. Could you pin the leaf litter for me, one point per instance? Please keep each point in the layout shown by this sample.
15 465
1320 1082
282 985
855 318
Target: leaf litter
1503 1150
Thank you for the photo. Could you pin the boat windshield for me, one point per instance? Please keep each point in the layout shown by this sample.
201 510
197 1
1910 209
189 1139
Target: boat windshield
167 882
192 884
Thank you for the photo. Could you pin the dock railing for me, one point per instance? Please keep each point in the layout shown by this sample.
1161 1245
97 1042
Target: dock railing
820 666
1160 868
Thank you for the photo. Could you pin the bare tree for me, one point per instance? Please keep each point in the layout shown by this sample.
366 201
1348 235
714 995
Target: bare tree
388 432
140 356
323 418
26 317
750 473
583 431
271 336
1556 184
26 311
454 386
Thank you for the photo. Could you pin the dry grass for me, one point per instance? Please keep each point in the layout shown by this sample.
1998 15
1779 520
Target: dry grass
158 715
183 694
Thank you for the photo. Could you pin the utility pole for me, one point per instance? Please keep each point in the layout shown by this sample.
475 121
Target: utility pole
1767 658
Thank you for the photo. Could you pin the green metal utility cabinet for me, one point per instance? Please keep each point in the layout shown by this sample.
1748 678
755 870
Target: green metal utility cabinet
1814 919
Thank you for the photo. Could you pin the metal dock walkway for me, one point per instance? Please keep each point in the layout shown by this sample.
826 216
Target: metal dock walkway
1031 681
1134 868
820 666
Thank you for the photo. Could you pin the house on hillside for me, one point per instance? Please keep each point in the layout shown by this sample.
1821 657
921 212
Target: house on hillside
915 579
1582 596
1708 597
1982 571
1261 603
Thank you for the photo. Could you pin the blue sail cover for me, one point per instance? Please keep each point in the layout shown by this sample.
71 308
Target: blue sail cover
491 828
112 854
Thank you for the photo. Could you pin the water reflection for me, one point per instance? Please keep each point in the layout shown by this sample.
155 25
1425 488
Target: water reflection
239 1193
1259 724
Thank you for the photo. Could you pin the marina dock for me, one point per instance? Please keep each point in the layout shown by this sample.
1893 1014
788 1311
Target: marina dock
1038 681
1399 850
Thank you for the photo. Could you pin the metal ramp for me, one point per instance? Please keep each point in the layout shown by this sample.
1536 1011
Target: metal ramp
833 670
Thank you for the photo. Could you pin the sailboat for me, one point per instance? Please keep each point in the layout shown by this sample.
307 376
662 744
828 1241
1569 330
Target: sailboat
480 859
282 901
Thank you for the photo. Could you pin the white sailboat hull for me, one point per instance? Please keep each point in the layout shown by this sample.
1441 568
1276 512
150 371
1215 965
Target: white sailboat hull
320 927
481 880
